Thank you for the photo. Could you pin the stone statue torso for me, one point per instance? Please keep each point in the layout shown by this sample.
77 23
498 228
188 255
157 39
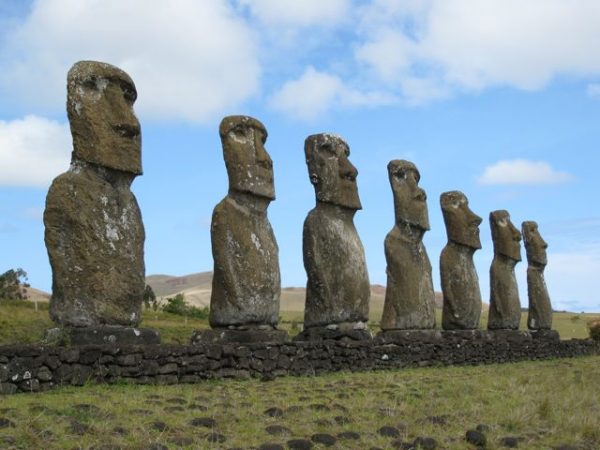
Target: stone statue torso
505 307
246 282
409 297
338 287
540 308
94 236
460 286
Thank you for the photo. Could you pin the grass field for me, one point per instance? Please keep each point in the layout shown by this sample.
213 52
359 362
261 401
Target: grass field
21 323
540 405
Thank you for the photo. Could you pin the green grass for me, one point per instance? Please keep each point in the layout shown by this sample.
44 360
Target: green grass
544 404
21 323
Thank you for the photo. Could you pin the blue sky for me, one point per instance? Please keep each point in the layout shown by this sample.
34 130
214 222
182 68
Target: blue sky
497 98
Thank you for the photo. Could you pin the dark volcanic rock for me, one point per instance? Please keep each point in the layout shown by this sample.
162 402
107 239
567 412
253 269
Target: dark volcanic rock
388 431
299 444
277 430
476 438
207 422
509 442
324 439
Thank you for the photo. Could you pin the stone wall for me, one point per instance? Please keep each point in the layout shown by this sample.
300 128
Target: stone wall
37 368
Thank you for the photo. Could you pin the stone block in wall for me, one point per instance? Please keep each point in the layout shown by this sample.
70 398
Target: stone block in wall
8 388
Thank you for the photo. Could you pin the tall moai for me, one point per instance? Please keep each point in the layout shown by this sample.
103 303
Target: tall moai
338 290
409 296
93 226
540 308
505 307
246 286
460 283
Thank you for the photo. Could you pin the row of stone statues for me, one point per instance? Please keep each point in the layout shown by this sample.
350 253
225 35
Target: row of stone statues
94 235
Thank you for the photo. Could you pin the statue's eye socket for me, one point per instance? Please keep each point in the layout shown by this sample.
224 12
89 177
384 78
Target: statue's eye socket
90 83
327 148
239 131
129 93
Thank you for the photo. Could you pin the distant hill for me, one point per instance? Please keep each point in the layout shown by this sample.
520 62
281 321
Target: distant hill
197 287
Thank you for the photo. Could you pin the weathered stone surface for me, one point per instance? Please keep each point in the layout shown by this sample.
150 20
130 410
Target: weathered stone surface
540 308
460 283
251 335
409 296
94 232
338 283
505 307
112 335
246 284
408 336
352 331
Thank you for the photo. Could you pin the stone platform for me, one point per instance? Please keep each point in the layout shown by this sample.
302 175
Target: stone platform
31 368
238 335
99 335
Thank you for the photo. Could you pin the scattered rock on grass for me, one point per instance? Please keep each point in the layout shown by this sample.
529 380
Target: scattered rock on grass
325 439
342 420
349 435
270 446
299 444
207 422
388 431
159 426
509 442
425 443
274 412
5 423
79 428
477 438
277 429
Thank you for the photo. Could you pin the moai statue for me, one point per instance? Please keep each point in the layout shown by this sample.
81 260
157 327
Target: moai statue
94 231
460 284
246 286
540 308
505 307
338 290
409 297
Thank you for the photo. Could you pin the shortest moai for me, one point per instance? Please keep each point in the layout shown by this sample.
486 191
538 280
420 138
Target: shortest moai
505 307
540 308
338 289
409 296
93 226
246 286
460 283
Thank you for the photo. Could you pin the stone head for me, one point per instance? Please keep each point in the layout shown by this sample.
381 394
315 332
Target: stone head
249 166
462 224
105 130
330 171
506 237
535 246
410 201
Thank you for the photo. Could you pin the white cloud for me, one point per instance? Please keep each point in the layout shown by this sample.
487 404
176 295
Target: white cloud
522 171
315 93
298 12
472 45
33 151
190 60
593 90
